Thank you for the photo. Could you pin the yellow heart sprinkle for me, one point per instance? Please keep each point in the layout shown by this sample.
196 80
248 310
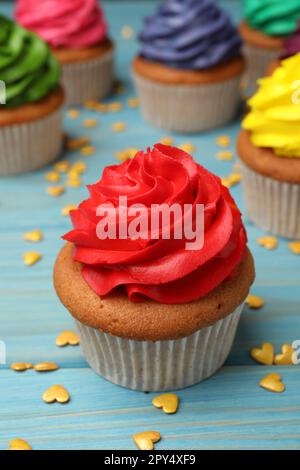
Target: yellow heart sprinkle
73 113
101 108
19 444
255 302
76 144
31 257
89 123
67 337
56 393
295 247
87 150
133 102
78 167
231 180
270 243
286 356
272 382
46 367
118 126
263 355
21 366
127 32
187 147
145 440
167 401
125 154
52 176
223 140
74 182
33 236
225 155
115 107
67 209
167 141
91 104
61 166
55 191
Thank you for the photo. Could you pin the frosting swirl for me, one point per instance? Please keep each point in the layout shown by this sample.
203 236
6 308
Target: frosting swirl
159 269
64 23
193 35
27 66
273 17
274 118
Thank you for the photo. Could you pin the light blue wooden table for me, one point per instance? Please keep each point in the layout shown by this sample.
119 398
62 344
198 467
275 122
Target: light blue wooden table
228 411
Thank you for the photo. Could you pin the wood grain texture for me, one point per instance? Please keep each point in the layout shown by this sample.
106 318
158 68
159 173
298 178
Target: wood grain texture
227 411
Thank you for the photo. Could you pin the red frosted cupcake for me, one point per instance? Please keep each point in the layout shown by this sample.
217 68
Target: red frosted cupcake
77 33
156 312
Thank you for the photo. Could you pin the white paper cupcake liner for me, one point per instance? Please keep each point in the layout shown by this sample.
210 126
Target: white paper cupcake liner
88 80
159 365
188 108
257 62
32 145
272 205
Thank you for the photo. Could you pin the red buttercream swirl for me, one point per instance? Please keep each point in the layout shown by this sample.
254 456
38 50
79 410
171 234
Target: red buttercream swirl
162 270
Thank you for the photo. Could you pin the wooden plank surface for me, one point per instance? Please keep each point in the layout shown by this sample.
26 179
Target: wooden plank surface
227 411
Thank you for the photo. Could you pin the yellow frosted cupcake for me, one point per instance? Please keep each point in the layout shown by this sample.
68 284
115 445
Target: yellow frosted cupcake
269 148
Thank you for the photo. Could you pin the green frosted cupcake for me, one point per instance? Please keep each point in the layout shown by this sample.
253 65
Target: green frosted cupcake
31 101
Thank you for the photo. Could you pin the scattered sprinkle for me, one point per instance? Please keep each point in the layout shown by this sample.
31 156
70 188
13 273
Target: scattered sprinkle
133 102
294 247
46 367
225 155
19 444
115 107
119 126
78 167
73 113
187 147
101 108
270 243
55 191
61 166
91 104
286 356
255 302
56 393
167 141
232 180
146 440
67 338
76 144
31 257
89 123
167 401
264 354
74 181
223 141
127 32
67 209
52 176
125 154
33 236
87 150
272 382
21 366
237 167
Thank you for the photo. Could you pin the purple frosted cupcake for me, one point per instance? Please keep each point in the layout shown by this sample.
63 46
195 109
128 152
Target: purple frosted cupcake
190 59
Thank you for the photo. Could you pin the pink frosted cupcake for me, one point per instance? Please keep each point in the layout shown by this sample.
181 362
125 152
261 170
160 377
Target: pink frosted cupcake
77 33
